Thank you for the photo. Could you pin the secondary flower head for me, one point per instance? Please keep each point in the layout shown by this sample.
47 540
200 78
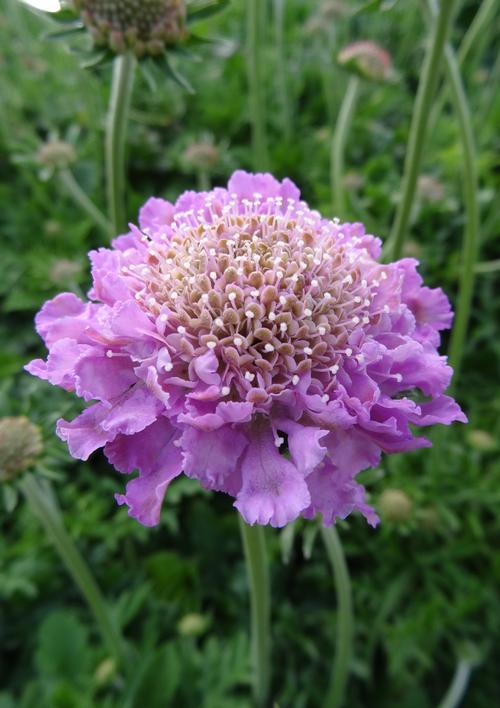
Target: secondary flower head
239 337
145 26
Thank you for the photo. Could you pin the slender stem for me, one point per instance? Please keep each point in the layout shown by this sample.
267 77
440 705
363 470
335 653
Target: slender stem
458 686
116 126
81 199
418 128
203 179
339 140
255 81
44 507
482 19
470 187
345 619
281 73
254 546
488 266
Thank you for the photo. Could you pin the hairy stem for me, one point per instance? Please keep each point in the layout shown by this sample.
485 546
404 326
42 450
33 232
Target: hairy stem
254 546
81 199
470 188
44 506
116 127
345 619
418 128
281 73
339 141
255 81
458 686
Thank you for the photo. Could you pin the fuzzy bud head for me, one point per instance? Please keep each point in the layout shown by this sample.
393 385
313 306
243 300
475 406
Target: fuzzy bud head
20 445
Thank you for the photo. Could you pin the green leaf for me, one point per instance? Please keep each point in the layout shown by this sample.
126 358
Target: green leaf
177 76
201 9
69 31
63 651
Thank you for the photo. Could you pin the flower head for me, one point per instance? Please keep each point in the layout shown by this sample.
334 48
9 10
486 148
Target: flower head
145 26
238 325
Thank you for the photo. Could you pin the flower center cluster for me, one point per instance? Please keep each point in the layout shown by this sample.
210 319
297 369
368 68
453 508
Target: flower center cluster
274 291
143 25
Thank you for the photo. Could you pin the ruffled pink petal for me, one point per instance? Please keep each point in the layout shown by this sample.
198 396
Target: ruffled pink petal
303 444
99 424
153 452
335 494
273 490
213 458
155 214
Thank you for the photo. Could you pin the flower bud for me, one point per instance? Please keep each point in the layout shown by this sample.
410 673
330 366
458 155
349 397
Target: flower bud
481 440
201 156
367 59
20 445
56 154
430 189
143 26
193 624
395 505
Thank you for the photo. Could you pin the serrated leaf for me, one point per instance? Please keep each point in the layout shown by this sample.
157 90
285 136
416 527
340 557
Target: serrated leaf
201 9
70 31
177 76
10 497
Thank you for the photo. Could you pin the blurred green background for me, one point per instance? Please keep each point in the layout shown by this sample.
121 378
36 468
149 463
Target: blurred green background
426 582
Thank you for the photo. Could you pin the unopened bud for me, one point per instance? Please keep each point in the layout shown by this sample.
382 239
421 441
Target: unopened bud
367 59
20 445
395 505
201 155
481 440
193 624
56 154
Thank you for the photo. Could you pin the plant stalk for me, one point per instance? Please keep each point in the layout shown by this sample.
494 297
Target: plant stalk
458 686
81 199
281 73
255 28
254 546
339 141
44 506
345 619
418 128
116 127
470 188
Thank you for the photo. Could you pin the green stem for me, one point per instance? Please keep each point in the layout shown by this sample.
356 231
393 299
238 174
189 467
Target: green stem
81 199
116 126
203 180
339 140
418 128
255 81
281 73
470 187
254 546
458 686
345 619
44 507
477 28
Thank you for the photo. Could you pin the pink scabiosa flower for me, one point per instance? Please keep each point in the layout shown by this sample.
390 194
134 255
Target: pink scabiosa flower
240 338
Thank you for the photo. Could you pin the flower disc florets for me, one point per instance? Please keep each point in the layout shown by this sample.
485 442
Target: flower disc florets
145 26
238 324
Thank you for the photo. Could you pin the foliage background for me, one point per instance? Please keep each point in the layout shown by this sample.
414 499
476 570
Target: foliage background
425 589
